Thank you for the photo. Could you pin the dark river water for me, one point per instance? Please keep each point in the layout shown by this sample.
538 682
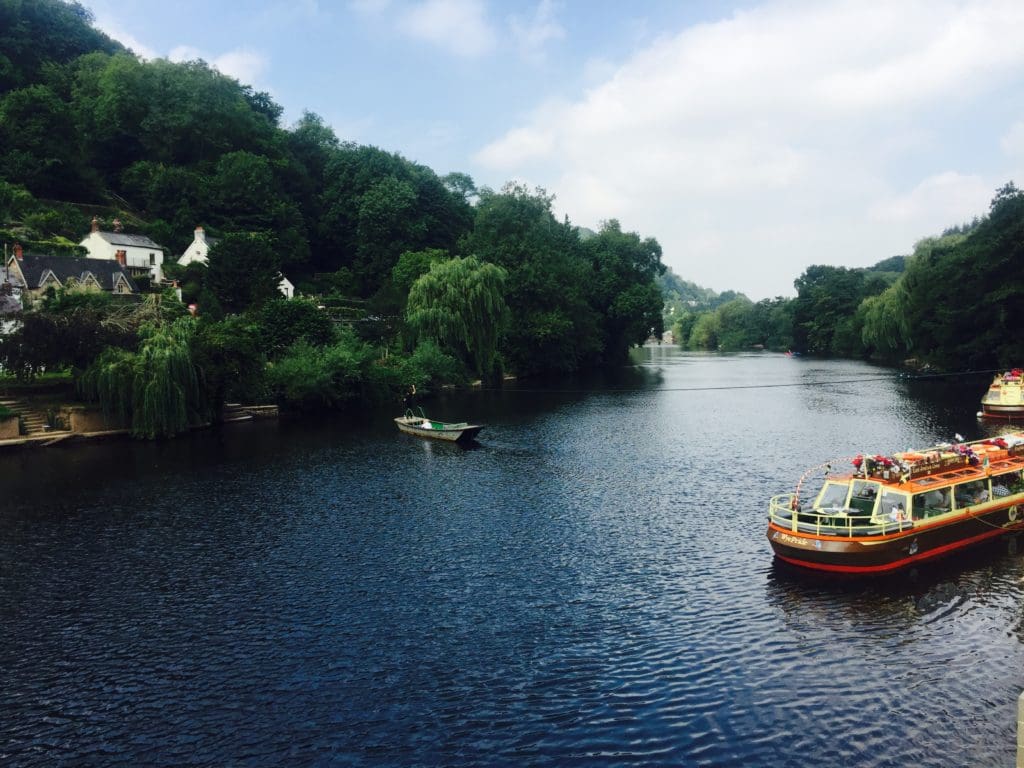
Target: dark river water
589 585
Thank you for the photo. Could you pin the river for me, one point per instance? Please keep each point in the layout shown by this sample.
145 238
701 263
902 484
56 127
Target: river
589 585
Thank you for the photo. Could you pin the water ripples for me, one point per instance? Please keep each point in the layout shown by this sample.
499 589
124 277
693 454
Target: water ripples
590 586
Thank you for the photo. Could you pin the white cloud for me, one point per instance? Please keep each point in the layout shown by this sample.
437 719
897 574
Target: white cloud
111 28
244 65
942 199
532 34
791 134
184 53
458 26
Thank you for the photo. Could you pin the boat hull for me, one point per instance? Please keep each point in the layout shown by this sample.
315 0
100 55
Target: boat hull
880 554
991 411
448 433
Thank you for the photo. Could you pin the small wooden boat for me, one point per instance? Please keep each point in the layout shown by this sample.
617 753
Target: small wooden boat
421 426
1005 396
895 511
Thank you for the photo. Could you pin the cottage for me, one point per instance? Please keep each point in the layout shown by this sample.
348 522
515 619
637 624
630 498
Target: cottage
33 273
137 254
199 252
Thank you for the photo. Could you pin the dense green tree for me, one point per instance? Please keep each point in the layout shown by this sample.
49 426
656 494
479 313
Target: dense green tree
244 271
230 355
555 328
69 330
37 33
704 334
737 325
283 322
39 141
622 288
375 206
827 301
413 264
964 293
460 304
339 375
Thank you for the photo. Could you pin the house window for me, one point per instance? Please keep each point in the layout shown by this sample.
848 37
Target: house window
152 259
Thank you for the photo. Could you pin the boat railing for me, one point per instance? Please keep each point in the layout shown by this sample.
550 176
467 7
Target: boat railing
785 512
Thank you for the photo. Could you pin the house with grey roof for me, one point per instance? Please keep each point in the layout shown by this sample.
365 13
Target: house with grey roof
33 273
137 254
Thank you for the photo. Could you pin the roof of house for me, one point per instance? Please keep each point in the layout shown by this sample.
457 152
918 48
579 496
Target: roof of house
35 265
122 238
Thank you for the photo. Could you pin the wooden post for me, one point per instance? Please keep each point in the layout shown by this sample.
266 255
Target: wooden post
1020 731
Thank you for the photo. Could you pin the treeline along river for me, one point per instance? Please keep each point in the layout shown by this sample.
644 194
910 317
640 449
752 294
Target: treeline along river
590 585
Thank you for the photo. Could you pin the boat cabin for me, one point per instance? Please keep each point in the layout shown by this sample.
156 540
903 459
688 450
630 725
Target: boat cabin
891 495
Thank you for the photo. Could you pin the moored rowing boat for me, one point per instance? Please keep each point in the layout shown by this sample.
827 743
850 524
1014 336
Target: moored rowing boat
421 426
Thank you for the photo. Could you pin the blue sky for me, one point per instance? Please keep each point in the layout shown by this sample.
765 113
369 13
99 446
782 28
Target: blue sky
751 139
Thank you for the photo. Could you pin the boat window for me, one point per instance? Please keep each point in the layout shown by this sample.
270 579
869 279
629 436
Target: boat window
1006 483
895 507
931 503
864 496
974 492
832 496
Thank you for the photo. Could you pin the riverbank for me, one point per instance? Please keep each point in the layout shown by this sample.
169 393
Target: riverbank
86 429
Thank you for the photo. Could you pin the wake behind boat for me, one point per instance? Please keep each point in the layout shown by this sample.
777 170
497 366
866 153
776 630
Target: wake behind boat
421 426
894 511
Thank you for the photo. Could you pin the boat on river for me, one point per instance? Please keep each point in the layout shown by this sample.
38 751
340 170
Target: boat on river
894 511
421 426
1005 396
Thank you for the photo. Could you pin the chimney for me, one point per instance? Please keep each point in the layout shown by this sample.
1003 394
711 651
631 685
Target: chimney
117 225
200 235
17 252
95 224
122 258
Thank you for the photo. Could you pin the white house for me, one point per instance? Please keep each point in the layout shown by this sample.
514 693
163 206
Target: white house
286 287
139 255
199 251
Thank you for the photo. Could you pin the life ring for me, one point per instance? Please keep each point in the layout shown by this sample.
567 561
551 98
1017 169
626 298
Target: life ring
1013 514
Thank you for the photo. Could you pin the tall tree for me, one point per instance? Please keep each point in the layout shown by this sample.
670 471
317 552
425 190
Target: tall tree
622 288
556 328
460 304
244 271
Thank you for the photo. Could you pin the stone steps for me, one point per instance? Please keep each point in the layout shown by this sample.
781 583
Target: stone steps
33 421
234 412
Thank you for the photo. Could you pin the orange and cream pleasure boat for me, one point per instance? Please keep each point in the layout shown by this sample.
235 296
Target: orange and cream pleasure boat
894 511
1005 396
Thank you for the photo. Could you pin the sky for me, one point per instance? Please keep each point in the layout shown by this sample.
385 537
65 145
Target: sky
751 139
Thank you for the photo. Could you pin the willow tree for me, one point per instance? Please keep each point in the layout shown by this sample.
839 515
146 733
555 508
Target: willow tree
460 304
886 332
155 389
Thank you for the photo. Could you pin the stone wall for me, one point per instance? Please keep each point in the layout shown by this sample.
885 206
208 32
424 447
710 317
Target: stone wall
9 427
80 419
